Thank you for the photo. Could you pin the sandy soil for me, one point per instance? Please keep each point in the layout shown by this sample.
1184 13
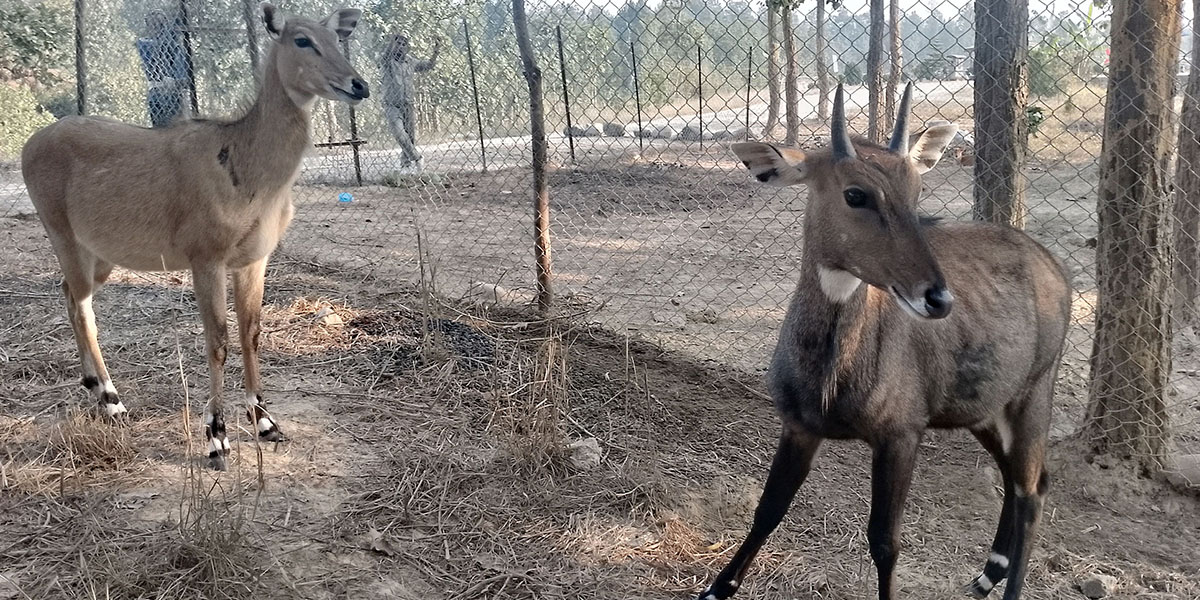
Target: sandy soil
403 479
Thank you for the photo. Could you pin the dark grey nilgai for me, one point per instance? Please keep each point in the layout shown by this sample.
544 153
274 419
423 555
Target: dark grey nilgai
884 361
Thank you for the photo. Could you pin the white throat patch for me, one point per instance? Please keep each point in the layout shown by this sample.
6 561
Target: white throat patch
838 285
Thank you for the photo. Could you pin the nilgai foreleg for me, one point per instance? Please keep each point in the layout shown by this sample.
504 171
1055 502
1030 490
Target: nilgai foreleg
790 467
891 476
247 303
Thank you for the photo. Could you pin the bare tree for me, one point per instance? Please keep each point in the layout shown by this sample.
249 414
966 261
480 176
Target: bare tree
537 126
1131 352
822 66
1001 95
772 68
1187 190
875 73
791 93
897 63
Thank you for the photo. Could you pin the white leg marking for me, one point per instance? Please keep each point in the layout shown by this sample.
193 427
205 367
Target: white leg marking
999 560
220 446
265 424
733 584
984 583
113 410
837 284
711 597
208 419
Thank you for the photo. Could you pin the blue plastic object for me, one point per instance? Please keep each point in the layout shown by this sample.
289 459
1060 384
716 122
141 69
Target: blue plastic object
345 197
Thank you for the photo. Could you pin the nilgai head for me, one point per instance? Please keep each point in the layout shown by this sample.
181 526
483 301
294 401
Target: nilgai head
862 223
309 56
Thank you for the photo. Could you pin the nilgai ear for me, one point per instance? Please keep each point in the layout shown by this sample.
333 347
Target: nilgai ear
928 149
343 21
273 19
771 165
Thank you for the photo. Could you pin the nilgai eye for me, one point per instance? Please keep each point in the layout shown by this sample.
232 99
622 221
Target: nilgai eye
856 198
303 42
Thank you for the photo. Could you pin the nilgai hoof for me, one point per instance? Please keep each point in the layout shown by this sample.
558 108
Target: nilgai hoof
272 435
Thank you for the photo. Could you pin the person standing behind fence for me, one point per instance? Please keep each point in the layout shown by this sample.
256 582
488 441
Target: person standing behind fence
399 94
165 65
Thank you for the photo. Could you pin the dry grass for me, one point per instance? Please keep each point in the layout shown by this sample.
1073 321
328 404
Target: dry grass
530 399
426 464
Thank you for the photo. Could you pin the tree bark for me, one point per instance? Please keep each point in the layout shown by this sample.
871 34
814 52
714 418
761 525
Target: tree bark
897 65
772 69
1131 354
822 66
875 73
1001 95
537 127
1187 190
791 93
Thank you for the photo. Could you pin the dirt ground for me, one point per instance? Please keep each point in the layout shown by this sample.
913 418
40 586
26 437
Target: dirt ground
403 478
426 456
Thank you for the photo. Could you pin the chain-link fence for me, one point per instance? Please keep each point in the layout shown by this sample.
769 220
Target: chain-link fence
656 229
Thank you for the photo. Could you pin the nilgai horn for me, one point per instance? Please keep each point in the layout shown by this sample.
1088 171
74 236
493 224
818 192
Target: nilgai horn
899 325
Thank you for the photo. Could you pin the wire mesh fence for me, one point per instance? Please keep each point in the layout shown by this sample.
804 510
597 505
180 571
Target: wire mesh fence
656 230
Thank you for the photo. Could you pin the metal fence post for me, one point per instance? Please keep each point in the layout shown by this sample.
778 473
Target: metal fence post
562 67
251 37
637 96
700 97
749 83
353 125
475 94
186 21
80 59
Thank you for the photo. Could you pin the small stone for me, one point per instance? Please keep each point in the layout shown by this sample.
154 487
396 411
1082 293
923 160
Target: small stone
674 319
1184 472
614 130
585 453
1098 586
326 316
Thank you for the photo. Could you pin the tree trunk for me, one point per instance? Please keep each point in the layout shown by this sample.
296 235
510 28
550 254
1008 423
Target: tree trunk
537 127
791 94
875 73
896 71
772 69
1131 354
1001 94
1187 190
822 66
